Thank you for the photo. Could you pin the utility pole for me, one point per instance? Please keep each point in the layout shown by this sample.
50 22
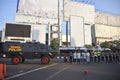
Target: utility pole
67 34
58 26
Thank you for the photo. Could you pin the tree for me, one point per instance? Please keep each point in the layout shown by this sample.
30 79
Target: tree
54 44
106 44
88 46
117 43
109 44
115 46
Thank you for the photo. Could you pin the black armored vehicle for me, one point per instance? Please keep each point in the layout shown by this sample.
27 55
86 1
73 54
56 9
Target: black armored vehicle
18 52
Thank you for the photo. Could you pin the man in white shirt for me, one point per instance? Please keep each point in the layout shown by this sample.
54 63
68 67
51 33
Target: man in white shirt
74 57
78 56
88 57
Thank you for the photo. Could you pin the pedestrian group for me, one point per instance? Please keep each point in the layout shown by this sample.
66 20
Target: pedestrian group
92 56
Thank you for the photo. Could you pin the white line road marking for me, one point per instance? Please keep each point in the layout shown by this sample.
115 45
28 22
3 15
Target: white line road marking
21 74
57 72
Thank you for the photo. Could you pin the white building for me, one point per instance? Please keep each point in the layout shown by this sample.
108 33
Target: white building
107 28
41 14
86 25
81 17
65 41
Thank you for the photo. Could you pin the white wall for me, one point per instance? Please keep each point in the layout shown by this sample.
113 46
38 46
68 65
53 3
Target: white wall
39 12
34 20
88 35
107 27
107 19
79 9
39 33
106 32
64 38
41 8
87 13
77 31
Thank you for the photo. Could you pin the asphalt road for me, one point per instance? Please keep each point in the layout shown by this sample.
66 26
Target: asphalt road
58 70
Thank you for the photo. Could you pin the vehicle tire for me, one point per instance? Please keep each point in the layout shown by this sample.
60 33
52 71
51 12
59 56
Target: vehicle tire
45 59
16 59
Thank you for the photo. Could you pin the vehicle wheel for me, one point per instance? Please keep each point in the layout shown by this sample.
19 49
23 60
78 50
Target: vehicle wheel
16 60
45 59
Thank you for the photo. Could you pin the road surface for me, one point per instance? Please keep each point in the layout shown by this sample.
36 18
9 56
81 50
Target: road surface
59 70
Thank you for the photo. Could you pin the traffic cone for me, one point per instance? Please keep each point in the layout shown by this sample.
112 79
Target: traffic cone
1 72
1 76
85 72
4 70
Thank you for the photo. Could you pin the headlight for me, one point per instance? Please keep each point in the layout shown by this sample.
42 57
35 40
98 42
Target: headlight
50 53
4 55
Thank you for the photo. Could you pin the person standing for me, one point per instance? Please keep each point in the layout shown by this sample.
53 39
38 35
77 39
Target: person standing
106 57
98 55
95 56
75 57
81 57
65 58
71 58
102 57
91 56
114 58
110 57
84 56
78 56
88 57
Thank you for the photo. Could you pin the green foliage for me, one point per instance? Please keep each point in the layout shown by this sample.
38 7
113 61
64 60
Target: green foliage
115 46
88 46
117 43
54 44
106 44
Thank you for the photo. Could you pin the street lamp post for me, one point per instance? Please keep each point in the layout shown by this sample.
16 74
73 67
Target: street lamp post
58 26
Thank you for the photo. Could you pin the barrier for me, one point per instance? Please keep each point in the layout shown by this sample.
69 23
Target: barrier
2 71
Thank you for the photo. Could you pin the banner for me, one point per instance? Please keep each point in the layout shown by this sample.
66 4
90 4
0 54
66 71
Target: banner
40 8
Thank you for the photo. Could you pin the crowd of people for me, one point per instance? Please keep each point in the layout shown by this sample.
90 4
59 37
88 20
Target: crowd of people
92 56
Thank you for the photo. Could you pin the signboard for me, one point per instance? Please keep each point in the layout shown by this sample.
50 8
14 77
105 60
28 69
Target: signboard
77 31
16 32
40 8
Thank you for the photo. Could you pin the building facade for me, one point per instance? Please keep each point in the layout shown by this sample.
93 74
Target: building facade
81 18
106 28
41 16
